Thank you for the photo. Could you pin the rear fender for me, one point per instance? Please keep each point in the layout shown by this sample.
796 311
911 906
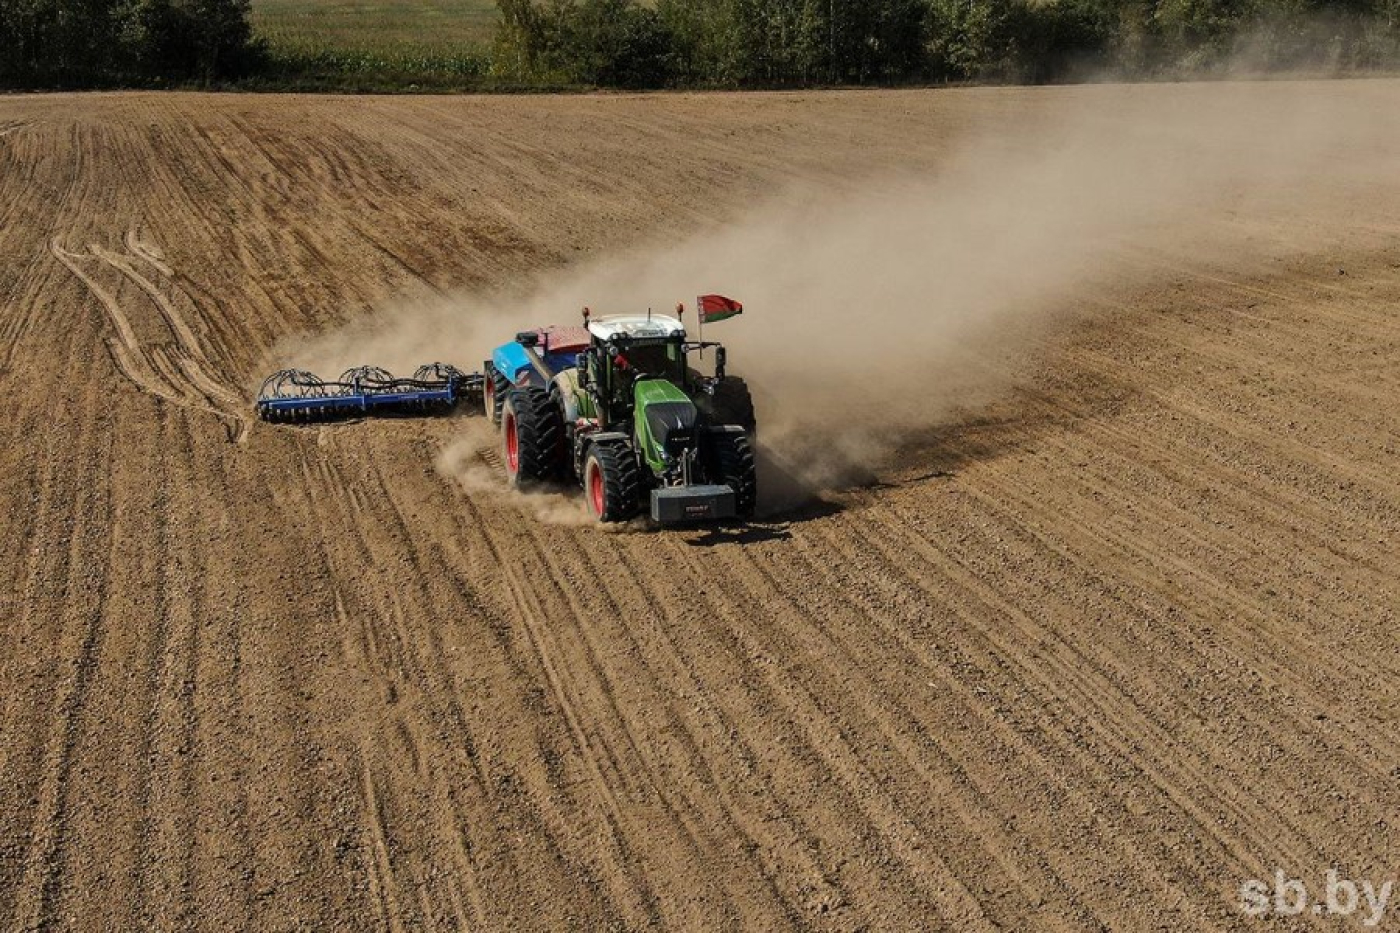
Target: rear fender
585 442
567 384
510 359
606 437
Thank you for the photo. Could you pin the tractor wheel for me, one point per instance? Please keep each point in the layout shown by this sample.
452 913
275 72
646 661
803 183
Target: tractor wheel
532 432
732 463
611 483
493 394
731 404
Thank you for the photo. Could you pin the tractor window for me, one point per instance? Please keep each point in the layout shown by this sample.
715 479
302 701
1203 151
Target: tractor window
657 359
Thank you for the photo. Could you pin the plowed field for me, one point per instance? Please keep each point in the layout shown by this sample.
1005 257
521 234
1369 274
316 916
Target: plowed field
1086 654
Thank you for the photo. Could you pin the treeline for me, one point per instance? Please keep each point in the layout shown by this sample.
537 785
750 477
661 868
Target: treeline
86 43
798 43
717 43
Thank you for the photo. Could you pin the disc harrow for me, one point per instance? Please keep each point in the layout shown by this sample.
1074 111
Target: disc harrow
294 396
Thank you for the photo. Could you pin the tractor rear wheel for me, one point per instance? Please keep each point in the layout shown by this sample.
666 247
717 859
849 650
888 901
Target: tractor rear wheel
532 433
493 393
611 483
732 463
731 404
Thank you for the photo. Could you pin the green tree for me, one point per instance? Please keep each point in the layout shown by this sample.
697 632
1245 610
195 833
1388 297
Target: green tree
879 41
609 43
103 42
971 38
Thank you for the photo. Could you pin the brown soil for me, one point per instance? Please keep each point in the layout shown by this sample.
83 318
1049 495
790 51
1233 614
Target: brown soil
1087 657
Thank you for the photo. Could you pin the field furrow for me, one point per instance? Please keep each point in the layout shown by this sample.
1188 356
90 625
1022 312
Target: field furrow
1065 619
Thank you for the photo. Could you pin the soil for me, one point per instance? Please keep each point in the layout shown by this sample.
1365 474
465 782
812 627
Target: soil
1087 657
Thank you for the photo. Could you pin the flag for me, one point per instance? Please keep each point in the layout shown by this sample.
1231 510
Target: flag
717 308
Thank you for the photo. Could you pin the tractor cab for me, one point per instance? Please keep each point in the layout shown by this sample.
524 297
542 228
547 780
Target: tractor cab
626 351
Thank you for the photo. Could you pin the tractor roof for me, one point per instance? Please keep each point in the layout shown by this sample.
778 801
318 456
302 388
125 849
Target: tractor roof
636 326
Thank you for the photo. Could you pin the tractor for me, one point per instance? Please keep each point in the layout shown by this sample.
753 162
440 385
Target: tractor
614 405
617 407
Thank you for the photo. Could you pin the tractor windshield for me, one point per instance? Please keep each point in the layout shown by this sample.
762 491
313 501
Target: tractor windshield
657 359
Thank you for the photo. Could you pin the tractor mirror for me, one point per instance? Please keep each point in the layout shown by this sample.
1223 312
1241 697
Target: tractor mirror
581 361
527 338
719 363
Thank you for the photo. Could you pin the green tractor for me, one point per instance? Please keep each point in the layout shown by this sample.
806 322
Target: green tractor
632 421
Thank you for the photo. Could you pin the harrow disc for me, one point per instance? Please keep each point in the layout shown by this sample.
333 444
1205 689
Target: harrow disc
295 383
370 378
438 372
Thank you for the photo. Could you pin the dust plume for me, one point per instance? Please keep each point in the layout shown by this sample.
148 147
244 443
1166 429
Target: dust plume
877 309
876 313
467 460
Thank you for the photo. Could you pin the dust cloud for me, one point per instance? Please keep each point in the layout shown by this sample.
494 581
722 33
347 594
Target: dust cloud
463 461
881 311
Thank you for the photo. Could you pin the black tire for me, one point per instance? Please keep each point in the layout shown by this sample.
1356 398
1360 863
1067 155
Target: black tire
732 464
611 483
731 404
532 437
568 463
493 394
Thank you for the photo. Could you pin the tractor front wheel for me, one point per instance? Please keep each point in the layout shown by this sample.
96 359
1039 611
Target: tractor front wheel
733 465
532 434
611 483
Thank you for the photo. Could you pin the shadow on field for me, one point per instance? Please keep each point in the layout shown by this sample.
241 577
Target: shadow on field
752 533
802 482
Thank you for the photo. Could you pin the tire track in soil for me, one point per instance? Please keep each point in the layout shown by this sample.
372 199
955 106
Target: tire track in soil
539 661
709 730
650 640
766 694
184 383
378 536
589 596
396 530
855 716
377 653
383 887
820 891
556 820
560 589
639 902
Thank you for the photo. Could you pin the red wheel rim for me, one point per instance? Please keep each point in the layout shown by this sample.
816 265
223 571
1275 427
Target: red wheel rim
595 489
512 446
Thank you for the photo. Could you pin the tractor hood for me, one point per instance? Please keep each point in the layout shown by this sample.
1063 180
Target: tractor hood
665 415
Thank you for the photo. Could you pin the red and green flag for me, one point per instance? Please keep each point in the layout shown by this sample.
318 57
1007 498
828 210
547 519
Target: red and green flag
718 308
